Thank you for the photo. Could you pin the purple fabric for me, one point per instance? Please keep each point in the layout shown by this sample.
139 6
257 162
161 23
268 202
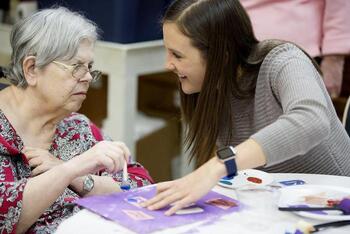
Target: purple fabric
344 205
116 208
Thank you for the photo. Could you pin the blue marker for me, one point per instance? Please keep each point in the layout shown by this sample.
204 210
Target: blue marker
292 182
125 187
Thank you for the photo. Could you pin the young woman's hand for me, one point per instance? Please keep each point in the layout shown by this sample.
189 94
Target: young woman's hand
184 191
40 160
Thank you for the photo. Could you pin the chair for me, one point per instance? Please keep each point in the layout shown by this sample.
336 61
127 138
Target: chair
346 116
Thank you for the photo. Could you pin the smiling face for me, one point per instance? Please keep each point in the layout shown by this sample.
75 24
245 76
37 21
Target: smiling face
183 59
58 88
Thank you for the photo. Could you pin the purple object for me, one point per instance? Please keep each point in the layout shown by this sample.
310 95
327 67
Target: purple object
343 206
298 232
123 208
315 210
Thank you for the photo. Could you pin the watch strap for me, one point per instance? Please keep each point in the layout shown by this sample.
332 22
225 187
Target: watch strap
231 167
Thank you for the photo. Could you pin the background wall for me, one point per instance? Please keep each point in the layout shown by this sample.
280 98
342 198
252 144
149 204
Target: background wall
122 21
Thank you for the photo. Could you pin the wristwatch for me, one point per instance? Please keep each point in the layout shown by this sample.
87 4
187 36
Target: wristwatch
88 183
227 155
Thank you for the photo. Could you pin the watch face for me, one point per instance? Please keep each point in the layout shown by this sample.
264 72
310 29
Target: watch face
88 184
225 153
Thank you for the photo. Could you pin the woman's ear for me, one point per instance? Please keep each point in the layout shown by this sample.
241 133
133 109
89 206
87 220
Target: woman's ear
29 70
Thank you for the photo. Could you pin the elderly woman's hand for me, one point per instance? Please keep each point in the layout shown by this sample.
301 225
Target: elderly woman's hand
104 155
40 160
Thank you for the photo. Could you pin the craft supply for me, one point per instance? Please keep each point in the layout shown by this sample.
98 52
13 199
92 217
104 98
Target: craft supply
343 206
306 228
125 184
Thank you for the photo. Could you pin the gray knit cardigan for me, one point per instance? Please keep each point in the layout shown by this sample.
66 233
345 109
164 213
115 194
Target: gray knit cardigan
292 117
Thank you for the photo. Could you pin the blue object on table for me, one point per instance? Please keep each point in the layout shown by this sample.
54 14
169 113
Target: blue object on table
292 182
226 182
125 187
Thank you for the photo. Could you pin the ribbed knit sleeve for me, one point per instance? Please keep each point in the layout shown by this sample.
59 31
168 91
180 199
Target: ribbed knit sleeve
290 77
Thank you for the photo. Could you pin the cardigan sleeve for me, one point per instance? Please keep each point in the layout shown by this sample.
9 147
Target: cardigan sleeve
304 123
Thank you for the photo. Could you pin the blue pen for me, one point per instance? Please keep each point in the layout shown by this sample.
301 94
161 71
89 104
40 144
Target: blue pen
125 186
292 182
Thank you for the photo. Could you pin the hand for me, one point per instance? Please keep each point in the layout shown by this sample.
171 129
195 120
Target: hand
332 67
40 160
186 190
104 155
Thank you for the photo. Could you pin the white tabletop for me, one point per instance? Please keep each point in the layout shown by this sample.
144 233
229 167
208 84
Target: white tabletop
261 217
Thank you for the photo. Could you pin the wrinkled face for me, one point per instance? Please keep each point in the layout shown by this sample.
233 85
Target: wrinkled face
183 59
59 89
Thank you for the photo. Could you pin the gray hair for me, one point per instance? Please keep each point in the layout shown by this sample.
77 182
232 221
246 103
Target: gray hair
50 34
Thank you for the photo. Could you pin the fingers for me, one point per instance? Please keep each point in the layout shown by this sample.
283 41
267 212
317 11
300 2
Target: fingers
178 206
118 152
162 189
34 162
168 197
167 194
39 170
104 155
31 152
117 158
125 149
108 164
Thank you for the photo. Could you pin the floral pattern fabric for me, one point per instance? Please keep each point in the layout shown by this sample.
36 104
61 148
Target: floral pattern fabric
74 135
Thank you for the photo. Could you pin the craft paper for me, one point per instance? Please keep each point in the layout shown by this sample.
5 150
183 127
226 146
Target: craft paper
123 208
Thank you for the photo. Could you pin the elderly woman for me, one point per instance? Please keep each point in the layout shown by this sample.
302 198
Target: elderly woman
50 155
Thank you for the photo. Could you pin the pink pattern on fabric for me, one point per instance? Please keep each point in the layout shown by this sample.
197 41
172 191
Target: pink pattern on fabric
74 135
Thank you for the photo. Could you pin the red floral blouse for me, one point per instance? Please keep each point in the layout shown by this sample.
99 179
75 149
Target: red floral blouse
74 135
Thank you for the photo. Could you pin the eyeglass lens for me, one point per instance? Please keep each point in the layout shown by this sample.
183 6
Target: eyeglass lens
81 70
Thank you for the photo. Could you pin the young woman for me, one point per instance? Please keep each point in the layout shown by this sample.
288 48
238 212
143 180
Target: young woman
264 101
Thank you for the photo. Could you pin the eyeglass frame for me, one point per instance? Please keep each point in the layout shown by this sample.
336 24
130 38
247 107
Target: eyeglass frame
96 75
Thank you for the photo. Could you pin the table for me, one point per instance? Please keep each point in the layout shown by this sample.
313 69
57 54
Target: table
263 217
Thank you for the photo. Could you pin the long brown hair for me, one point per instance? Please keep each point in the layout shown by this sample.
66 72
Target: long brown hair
222 31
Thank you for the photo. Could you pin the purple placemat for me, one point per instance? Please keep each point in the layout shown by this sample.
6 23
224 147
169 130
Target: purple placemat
123 209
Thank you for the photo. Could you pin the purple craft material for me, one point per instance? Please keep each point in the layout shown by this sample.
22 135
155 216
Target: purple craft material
121 207
343 206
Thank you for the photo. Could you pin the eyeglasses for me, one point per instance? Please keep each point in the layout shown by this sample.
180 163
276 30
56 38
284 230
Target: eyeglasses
79 71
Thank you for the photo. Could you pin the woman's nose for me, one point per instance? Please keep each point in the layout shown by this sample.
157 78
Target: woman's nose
169 65
87 77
